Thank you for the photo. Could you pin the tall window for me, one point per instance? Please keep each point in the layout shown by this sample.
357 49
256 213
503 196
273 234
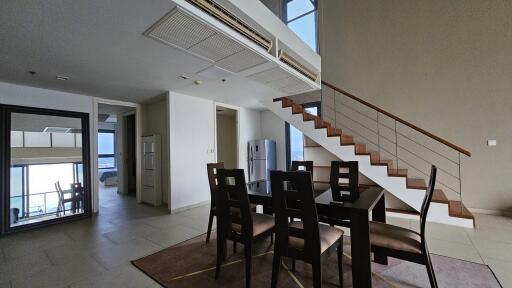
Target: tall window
301 18
106 149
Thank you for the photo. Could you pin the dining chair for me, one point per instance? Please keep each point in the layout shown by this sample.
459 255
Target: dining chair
307 239
212 169
235 219
302 166
61 208
77 194
406 244
344 187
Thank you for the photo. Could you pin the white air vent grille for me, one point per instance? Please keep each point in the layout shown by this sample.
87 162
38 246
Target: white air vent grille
180 29
217 47
241 61
281 80
296 65
232 21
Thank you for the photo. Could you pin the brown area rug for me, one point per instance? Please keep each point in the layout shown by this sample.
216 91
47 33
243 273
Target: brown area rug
192 264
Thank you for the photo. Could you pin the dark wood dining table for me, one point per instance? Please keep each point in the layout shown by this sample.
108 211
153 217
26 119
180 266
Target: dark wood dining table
369 206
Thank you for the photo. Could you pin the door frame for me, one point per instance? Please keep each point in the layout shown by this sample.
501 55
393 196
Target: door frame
94 149
5 110
237 118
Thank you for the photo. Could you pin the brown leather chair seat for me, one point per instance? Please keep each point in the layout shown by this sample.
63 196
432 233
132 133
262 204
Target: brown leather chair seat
261 223
394 237
328 236
236 211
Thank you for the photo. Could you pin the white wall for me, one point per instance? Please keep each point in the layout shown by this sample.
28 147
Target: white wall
443 65
192 142
273 127
42 98
191 148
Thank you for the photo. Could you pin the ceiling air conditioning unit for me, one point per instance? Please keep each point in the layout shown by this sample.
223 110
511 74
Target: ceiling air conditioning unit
229 19
296 65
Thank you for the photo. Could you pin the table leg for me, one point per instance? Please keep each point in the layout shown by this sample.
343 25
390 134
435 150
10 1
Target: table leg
379 214
360 246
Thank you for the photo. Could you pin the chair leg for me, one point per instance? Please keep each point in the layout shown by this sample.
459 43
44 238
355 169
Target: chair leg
272 238
293 265
234 246
275 268
430 271
225 256
317 272
340 261
221 247
210 223
248 262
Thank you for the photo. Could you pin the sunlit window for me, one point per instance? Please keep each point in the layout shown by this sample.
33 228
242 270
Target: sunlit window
106 149
301 18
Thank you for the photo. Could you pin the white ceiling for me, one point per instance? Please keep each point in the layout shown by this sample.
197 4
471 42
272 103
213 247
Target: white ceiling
99 45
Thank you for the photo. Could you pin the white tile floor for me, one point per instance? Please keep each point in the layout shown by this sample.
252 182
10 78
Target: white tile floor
96 252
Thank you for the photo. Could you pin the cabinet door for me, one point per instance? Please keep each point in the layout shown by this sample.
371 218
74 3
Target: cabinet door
149 161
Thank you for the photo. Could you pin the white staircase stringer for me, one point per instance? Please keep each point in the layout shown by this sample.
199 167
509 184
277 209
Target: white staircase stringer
438 212
378 174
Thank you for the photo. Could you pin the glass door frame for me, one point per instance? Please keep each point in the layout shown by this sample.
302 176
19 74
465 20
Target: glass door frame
5 165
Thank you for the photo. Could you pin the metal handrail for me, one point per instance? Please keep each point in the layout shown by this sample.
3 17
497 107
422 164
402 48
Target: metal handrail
45 203
382 111
362 129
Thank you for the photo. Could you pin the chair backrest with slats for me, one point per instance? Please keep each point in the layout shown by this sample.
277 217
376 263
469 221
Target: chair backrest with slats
233 206
302 166
212 169
292 197
347 182
426 201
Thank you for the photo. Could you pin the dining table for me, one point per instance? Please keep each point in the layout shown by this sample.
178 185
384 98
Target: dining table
370 206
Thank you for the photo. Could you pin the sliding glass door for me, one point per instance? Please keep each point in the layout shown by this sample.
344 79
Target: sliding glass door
45 167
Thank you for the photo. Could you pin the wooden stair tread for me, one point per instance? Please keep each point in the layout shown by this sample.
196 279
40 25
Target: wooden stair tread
401 211
457 209
397 172
360 148
439 197
416 183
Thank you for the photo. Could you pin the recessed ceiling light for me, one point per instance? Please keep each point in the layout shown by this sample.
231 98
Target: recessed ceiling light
62 78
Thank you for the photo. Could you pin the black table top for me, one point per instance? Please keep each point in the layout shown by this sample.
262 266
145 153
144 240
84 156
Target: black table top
366 201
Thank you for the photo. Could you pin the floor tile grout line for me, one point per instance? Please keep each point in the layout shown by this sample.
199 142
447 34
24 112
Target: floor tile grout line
474 246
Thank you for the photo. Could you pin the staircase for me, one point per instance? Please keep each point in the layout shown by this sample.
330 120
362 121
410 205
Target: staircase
396 180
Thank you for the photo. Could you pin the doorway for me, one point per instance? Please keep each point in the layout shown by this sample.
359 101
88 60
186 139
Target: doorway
116 153
227 136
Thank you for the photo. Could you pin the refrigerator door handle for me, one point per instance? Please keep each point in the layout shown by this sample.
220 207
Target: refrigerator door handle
250 161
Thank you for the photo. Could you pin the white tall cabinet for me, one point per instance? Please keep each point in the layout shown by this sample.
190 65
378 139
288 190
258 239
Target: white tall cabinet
151 170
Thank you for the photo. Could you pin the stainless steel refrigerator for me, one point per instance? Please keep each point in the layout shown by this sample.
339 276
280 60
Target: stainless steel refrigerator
262 159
